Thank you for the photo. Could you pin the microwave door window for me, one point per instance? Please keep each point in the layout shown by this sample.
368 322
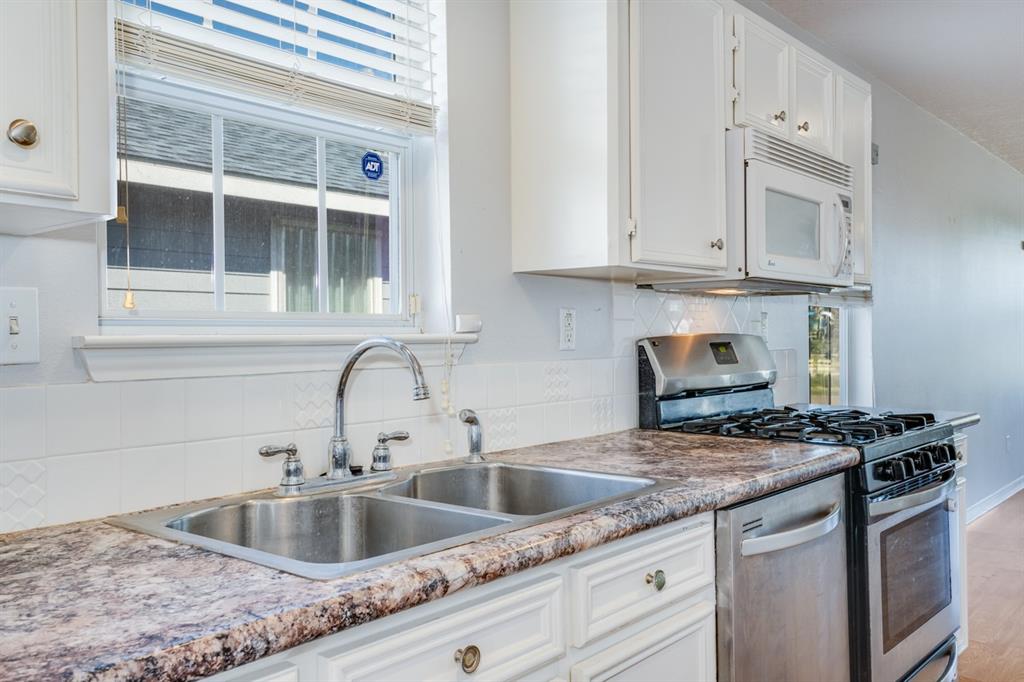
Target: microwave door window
792 226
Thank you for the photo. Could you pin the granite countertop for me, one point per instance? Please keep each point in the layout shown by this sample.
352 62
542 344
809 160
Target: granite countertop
89 601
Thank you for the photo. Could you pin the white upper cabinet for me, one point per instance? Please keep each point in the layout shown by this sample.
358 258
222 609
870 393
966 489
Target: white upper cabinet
677 77
853 126
782 87
761 78
56 151
38 92
813 101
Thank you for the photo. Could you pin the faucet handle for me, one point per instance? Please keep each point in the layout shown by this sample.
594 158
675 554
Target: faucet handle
384 437
292 472
273 450
382 453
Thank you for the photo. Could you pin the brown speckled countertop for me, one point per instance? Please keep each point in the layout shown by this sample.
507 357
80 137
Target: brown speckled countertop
91 601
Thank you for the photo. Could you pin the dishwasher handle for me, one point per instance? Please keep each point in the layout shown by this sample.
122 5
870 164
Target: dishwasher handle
793 537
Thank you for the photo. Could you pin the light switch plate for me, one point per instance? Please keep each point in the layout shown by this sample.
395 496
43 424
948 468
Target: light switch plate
19 326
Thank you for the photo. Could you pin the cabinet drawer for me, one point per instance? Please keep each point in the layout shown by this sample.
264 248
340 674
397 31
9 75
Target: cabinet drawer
612 591
282 671
515 633
681 647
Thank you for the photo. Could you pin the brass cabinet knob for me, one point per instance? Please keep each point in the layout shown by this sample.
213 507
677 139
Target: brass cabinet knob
718 244
781 116
657 579
805 126
23 133
469 658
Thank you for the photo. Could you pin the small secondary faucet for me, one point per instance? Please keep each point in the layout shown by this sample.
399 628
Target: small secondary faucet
476 436
340 453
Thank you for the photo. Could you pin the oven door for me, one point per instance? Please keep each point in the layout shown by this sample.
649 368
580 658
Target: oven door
913 582
797 227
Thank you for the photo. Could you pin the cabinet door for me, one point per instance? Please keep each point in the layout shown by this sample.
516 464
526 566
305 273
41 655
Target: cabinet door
678 649
853 131
678 134
813 102
761 78
39 85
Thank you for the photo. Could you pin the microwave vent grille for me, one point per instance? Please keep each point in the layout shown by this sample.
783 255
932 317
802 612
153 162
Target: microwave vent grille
774 150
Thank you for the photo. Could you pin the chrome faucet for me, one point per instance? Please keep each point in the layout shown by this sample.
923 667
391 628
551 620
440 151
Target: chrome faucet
476 436
340 453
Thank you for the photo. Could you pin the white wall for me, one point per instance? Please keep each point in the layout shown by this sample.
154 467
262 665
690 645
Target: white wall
949 284
948 317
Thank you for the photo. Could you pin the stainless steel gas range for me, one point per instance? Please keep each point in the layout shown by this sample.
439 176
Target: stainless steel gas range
901 547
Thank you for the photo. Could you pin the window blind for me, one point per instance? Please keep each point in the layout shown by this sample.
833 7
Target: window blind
370 59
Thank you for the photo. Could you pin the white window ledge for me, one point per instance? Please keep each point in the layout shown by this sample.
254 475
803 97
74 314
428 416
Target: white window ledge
177 356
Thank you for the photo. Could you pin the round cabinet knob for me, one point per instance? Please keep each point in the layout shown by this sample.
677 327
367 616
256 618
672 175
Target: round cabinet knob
23 133
657 579
781 116
718 244
805 126
468 658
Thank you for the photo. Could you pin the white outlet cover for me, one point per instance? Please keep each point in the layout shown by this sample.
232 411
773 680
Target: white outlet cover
19 312
566 329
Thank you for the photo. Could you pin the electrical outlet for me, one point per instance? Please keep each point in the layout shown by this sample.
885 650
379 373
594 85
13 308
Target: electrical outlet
566 329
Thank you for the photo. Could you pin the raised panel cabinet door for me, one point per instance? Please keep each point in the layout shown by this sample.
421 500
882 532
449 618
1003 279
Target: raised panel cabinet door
680 648
761 78
38 87
853 132
678 134
813 102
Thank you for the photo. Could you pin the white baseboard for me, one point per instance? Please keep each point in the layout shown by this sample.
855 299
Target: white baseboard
990 502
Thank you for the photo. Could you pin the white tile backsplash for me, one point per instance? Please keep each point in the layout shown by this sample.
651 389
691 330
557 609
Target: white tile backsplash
22 423
71 452
83 418
152 412
152 477
213 408
213 468
83 486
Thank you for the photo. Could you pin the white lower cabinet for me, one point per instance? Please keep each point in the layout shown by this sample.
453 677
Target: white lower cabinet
564 621
679 649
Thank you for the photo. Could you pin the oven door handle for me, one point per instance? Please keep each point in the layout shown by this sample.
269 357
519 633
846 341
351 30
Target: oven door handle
918 498
949 674
794 537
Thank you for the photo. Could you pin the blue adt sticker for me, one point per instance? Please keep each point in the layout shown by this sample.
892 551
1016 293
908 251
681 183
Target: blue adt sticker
373 167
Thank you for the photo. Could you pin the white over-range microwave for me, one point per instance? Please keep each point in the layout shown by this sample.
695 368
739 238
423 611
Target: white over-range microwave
790 219
797 210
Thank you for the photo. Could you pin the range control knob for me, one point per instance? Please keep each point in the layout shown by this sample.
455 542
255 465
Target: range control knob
922 460
947 452
890 470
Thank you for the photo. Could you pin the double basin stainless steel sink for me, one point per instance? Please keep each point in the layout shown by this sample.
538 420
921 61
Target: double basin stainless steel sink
334 533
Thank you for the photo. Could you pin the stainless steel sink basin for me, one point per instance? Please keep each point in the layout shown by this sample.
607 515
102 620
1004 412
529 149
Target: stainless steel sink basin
515 489
331 529
333 533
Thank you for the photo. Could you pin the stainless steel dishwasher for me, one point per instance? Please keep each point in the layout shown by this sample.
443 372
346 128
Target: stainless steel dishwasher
782 588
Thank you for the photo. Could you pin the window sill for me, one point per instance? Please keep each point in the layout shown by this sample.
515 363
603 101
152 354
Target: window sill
178 356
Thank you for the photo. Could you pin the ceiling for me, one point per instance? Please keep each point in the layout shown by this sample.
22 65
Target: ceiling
962 60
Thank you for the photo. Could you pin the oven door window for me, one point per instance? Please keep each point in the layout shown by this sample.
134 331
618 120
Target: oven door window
916 574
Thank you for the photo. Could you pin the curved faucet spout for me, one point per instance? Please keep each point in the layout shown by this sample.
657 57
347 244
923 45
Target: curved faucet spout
340 453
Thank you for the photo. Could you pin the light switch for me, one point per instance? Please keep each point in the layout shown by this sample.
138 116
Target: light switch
19 338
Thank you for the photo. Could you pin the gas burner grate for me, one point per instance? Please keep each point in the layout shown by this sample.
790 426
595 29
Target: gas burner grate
841 426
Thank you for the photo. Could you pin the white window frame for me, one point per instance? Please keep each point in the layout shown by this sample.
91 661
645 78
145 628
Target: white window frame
173 92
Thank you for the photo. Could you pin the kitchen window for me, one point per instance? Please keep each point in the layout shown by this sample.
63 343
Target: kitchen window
264 158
